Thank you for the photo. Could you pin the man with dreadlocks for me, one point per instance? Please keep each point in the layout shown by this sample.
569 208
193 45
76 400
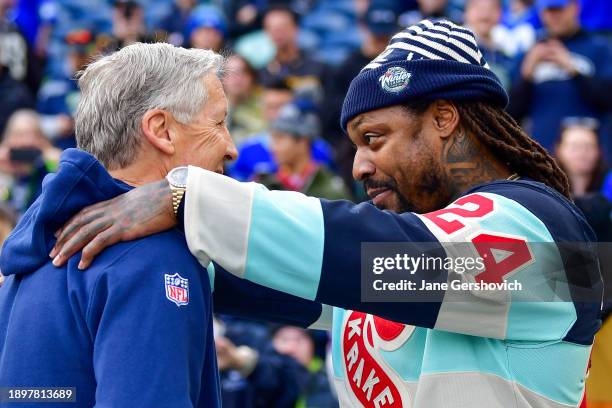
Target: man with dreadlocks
443 163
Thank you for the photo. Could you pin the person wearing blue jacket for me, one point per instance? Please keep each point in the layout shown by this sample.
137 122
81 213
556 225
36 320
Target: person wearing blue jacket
137 331
566 74
120 339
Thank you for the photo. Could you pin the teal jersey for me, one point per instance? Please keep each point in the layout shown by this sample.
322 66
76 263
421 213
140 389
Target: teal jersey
460 348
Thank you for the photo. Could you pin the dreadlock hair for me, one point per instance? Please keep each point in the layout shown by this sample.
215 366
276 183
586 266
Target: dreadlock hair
500 133
505 138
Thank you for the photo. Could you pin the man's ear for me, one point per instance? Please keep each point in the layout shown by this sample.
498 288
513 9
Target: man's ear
156 129
445 117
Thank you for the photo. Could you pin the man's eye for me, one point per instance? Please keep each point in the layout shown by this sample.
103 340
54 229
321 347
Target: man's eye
369 138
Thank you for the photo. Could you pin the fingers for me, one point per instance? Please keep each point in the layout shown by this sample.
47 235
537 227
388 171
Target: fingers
78 240
73 225
102 240
142 211
83 216
66 232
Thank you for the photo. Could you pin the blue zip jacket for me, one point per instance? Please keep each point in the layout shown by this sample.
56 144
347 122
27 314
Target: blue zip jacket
135 330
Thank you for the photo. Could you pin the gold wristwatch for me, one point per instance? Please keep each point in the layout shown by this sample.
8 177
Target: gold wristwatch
177 179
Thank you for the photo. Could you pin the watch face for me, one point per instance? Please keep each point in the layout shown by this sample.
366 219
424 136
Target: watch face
178 177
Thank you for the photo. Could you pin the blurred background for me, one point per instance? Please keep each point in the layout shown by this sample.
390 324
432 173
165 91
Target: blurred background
289 66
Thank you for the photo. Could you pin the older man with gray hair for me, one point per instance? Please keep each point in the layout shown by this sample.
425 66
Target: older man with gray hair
137 331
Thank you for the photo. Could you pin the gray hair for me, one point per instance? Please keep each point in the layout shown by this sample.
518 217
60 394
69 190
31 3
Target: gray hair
118 89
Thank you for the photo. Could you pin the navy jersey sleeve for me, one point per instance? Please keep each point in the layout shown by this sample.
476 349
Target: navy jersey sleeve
242 298
312 249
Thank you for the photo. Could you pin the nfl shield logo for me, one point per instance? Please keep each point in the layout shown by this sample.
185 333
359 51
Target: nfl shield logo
177 289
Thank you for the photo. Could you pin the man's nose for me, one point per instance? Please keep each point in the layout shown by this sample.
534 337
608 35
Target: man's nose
362 166
231 153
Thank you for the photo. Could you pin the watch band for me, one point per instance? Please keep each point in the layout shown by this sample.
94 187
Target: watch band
177 180
177 197
180 216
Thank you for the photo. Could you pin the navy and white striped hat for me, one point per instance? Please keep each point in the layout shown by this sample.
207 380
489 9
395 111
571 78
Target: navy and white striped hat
427 61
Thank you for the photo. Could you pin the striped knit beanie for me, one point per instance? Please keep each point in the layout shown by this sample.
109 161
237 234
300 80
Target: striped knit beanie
427 61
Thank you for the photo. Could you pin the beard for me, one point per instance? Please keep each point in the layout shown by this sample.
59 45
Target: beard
404 204
423 194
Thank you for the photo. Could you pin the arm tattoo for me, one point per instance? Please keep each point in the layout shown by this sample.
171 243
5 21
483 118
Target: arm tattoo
152 200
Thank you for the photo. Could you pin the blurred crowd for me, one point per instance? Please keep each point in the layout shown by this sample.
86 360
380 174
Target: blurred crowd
288 68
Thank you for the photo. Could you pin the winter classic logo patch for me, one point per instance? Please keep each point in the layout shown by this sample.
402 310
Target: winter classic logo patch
395 79
177 289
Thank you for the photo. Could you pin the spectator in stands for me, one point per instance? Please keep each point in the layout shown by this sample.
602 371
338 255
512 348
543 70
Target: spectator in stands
244 15
252 373
14 95
245 114
8 220
47 15
302 73
16 54
567 73
378 25
483 17
174 23
128 25
206 28
293 132
276 94
299 344
59 93
516 32
521 12
254 153
431 9
27 156
579 153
